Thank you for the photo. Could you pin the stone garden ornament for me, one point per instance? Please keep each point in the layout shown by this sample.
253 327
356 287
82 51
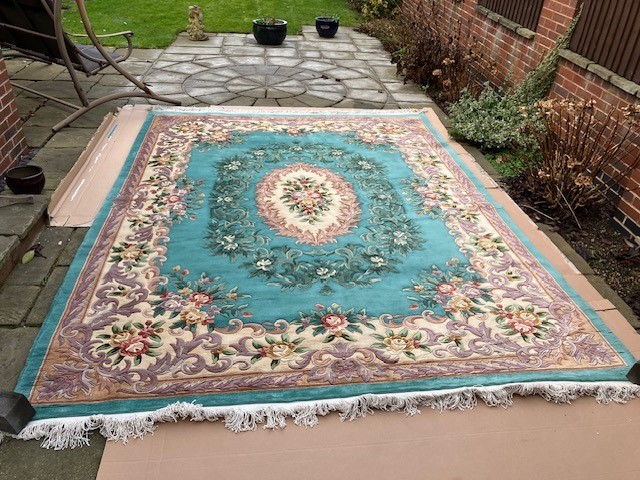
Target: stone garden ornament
195 29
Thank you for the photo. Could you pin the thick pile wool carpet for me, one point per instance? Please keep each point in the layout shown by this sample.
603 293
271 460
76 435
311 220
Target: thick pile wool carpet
254 265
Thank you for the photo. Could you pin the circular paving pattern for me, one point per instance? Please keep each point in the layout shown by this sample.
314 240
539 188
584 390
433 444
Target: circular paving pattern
313 83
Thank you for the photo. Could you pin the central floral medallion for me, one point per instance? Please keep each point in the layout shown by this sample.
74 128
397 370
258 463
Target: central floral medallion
311 204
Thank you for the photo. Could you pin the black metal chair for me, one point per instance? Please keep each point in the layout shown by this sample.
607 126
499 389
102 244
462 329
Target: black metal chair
33 29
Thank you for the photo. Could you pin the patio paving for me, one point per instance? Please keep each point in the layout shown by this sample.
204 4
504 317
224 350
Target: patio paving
350 71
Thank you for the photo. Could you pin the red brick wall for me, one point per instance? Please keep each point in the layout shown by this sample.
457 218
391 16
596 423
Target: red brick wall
509 56
12 142
575 82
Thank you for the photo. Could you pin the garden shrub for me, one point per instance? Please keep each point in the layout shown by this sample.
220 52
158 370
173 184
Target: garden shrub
372 9
581 156
497 121
391 32
439 61
491 120
511 163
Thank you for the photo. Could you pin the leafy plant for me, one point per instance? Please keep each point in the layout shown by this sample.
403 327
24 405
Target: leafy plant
438 61
378 8
511 163
268 21
496 120
327 17
581 156
490 120
392 33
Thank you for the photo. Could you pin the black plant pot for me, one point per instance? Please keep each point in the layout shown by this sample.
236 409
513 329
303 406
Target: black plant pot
270 34
327 26
29 179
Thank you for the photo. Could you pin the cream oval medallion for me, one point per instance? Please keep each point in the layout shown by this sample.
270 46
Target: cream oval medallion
311 204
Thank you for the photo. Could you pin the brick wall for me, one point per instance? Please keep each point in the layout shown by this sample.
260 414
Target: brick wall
12 142
573 80
511 51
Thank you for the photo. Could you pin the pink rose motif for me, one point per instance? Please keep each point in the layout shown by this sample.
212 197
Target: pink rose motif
524 323
524 327
334 322
446 288
135 346
146 332
200 298
174 198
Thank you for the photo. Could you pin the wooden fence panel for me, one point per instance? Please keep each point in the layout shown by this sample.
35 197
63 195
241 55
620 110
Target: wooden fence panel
524 12
608 33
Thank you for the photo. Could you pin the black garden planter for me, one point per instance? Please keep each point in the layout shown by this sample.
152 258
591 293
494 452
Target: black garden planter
25 180
327 26
269 32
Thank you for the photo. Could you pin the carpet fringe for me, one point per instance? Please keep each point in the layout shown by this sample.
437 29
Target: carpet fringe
74 432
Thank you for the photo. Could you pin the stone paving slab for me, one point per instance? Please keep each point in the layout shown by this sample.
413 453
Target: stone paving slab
57 159
28 106
40 307
212 41
62 88
17 220
133 67
16 301
99 91
8 243
16 343
71 137
144 54
69 250
48 115
52 180
37 137
53 241
15 65
310 54
38 71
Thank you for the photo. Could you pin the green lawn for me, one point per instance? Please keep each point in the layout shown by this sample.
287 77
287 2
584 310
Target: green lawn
156 23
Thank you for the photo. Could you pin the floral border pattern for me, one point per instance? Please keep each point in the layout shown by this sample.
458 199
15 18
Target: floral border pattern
124 335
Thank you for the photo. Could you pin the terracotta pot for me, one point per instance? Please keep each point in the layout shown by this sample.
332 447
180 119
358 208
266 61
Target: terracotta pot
28 179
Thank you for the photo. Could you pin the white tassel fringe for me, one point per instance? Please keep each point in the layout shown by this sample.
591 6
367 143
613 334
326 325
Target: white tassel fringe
74 432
